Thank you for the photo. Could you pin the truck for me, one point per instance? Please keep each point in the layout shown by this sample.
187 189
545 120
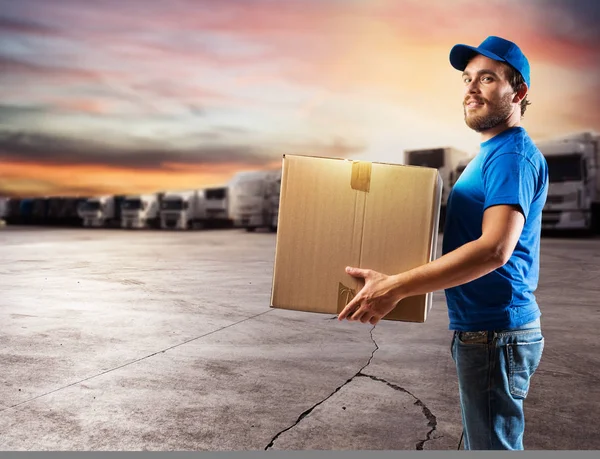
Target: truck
141 211
573 201
183 210
54 207
62 211
39 211
26 211
102 211
217 207
273 194
254 199
445 160
13 211
3 208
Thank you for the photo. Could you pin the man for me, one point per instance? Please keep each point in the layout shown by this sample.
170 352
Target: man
490 263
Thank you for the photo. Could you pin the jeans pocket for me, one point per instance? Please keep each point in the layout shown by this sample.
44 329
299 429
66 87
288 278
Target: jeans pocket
523 360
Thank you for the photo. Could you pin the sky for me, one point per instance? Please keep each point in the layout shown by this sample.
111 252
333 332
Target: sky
108 96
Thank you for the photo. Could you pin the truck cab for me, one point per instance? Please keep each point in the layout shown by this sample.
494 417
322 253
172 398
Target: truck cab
3 208
273 194
39 211
217 207
252 199
183 210
140 211
101 211
574 190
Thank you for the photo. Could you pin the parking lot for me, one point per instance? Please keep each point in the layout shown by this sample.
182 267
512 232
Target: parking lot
154 340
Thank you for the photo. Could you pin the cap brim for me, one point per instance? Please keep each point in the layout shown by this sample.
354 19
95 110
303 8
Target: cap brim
460 55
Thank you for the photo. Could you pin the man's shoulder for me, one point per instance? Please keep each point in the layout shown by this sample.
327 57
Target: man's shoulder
520 144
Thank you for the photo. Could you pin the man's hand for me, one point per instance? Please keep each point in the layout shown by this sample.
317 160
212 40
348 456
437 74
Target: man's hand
375 300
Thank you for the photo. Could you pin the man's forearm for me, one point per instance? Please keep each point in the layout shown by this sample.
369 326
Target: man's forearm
469 262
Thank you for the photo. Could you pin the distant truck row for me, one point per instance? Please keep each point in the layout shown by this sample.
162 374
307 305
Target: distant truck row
250 200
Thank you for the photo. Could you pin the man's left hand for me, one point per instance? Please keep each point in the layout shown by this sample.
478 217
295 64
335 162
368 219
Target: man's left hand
375 300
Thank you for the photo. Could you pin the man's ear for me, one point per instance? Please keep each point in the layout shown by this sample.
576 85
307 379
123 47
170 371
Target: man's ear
521 93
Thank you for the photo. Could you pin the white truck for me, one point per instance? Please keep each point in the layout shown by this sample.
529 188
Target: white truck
141 211
217 207
273 193
3 210
101 211
573 201
183 210
445 160
254 199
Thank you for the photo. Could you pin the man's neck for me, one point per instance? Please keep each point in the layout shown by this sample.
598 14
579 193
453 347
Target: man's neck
487 135
514 120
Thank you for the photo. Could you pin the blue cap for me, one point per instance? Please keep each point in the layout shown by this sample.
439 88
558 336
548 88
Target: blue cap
495 48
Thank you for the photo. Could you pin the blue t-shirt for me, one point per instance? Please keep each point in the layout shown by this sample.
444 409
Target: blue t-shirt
509 169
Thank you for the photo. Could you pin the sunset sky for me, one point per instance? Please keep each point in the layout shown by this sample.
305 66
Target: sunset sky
112 96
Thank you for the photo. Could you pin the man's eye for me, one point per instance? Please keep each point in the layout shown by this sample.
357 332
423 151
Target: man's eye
487 78
467 80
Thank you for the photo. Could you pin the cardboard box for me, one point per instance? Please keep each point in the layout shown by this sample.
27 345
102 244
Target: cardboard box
335 213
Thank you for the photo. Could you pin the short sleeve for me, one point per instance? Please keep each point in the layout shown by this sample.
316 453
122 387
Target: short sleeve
510 179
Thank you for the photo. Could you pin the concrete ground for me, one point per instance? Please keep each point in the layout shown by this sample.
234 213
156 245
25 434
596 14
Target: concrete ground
120 340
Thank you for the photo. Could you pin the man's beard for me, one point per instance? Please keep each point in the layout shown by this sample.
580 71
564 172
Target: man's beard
497 114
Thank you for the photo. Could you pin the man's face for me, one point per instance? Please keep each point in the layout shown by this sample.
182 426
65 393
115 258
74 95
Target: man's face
488 100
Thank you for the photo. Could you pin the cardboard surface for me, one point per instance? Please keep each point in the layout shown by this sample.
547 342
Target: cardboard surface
335 213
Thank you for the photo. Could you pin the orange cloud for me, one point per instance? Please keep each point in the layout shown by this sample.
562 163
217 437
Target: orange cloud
83 106
26 179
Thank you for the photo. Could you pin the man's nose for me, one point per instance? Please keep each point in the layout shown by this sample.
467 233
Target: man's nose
472 87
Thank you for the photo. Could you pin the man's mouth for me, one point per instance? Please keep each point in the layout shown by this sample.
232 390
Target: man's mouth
474 104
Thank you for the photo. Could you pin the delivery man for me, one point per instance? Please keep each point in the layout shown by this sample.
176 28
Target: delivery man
490 263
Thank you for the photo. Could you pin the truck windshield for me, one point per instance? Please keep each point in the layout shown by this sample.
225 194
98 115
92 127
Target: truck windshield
428 158
215 193
91 206
174 204
132 204
565 168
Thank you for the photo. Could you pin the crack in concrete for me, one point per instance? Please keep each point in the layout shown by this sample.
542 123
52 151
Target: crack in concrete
103 372
307 412
432 420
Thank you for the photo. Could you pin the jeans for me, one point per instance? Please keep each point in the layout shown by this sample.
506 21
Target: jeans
494 371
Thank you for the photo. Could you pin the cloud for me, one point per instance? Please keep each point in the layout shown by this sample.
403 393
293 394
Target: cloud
82 106
572 21
15 67
14 187
22 26
25 147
